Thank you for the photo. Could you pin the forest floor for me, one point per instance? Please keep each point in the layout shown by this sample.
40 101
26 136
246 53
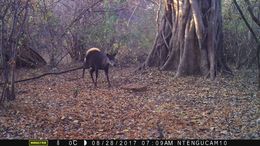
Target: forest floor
148 104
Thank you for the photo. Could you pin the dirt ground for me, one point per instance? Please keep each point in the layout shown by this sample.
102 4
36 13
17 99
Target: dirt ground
148 104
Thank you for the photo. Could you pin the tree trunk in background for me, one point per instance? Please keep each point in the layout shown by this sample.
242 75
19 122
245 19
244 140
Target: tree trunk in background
6 90
12 43
9 43
258 62
190 40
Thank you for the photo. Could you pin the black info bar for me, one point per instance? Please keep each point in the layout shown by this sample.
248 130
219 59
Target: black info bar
179 142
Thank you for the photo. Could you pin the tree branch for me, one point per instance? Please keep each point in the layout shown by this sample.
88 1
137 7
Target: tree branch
45 74
79 17
250 10
246 22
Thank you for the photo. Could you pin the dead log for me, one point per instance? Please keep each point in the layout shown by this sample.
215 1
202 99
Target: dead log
27 57
134 87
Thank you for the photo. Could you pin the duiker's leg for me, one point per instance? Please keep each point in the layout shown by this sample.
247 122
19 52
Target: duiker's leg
83 73
96 76
106 72
85 66
91 74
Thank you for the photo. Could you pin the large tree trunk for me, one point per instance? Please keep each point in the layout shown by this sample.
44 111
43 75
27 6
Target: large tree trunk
190 40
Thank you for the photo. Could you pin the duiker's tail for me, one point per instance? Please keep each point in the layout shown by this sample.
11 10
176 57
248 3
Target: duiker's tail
86 64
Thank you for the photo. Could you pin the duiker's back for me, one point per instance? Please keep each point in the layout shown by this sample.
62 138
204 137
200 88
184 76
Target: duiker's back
96 59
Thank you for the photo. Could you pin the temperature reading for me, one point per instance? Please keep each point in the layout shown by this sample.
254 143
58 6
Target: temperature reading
72 142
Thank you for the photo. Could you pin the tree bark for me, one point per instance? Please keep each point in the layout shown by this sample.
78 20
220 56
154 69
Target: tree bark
12 41
190 40
6 91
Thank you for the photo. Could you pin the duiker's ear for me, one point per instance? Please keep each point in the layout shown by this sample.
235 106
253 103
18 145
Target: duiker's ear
116 51
109 56
114 54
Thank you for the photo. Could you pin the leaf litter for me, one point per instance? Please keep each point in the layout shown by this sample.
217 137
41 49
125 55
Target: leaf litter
60 107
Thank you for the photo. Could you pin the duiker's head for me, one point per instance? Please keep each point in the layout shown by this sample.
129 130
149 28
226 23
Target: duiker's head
111 59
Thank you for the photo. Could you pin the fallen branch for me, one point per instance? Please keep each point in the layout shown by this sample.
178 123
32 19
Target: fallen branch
45 74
